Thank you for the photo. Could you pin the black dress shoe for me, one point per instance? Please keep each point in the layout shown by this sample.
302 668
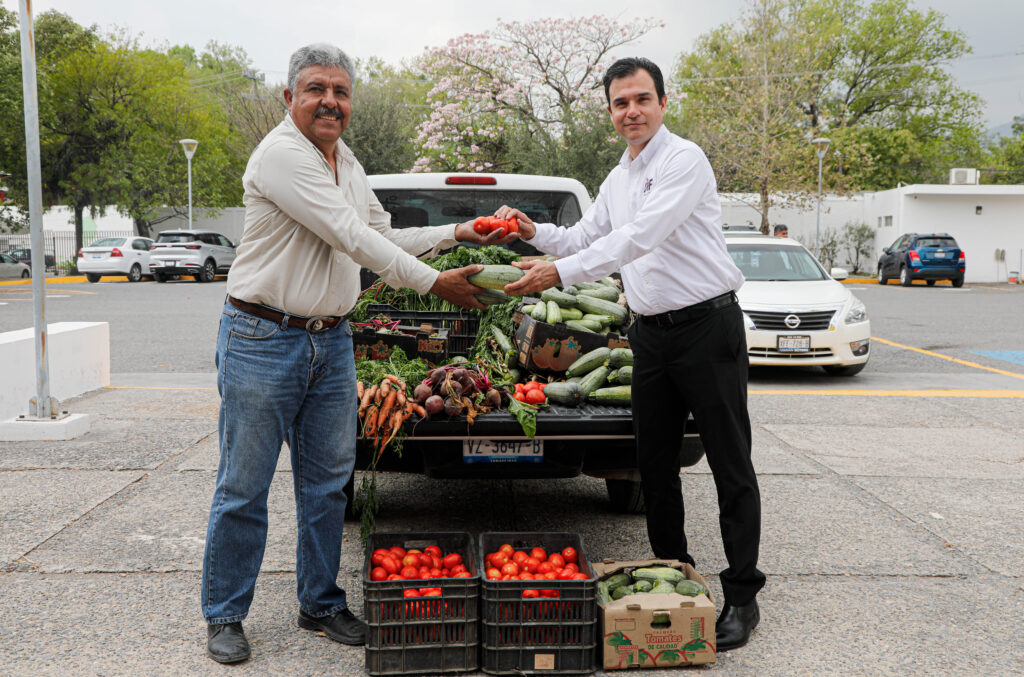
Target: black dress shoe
226 643
735 625
342 627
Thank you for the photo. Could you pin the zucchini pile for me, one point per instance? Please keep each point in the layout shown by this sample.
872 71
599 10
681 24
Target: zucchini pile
647 580
604 376
588 306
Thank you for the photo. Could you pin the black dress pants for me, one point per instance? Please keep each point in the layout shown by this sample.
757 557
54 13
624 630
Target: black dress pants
699 365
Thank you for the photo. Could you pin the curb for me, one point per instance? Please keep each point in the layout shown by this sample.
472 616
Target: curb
49 280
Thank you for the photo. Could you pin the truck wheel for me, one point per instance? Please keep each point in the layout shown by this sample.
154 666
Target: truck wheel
626 496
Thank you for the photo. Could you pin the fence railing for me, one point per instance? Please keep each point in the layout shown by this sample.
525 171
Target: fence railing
58 247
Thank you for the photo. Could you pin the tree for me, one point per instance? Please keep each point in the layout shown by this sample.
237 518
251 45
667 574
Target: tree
1007 155
858 238
506 98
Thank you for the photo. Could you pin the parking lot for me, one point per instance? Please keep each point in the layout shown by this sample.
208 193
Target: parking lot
893 534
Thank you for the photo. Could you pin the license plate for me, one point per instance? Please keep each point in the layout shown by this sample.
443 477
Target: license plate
502 451
794 344
940 255
97 257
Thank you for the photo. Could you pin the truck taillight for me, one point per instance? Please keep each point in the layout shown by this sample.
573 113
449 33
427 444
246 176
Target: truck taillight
471 181
116 252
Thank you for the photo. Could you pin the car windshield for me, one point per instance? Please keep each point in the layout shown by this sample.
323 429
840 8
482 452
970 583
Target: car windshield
108 242
175 237
946 242
765 262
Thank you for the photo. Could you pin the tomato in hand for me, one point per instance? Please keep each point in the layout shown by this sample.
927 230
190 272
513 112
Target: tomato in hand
535 396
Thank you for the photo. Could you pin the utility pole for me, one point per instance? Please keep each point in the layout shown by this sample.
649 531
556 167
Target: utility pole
257 80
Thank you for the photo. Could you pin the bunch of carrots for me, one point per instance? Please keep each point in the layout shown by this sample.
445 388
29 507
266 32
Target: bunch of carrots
383 408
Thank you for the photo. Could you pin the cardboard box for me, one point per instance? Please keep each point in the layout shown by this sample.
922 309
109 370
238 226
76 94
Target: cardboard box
424 341
656 631
546 348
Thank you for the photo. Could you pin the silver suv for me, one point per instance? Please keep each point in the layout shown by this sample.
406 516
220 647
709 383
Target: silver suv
200 253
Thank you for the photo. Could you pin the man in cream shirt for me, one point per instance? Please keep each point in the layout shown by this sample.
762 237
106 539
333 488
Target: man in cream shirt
285 367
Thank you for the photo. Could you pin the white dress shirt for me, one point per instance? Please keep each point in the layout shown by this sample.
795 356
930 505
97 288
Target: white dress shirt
307 233
657 221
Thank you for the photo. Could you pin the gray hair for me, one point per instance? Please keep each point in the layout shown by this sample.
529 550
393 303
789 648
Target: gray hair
317 54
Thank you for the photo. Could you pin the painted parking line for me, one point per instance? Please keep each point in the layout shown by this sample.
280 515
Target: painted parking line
947 357
1015 356
858 392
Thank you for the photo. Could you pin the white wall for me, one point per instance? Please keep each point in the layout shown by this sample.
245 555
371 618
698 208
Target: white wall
79 361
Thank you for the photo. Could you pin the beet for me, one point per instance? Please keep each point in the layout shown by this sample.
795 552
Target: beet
421 393
434 405
457 388
493 399
451 408
437 376
459 374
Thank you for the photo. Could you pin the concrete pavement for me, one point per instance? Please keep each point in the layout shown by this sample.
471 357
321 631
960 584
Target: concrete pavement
893 538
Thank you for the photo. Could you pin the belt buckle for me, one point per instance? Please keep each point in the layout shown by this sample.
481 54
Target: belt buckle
315 325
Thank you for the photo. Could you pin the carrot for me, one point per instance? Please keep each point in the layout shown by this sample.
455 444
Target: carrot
385 410
385 388
359 390
401 398
395 425
367 398
420 411
370 422
394 379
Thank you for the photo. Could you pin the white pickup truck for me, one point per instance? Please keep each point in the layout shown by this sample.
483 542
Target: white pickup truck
592 440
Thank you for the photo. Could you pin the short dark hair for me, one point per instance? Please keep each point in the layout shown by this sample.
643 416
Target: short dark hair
781 227
623 68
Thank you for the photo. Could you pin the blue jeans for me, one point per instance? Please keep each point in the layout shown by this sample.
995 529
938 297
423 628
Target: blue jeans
276 383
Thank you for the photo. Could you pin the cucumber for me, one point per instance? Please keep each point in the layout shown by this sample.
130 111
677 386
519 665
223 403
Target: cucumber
559 297
690 588
662 587
554 313
603 319
592 304
606 293
603 596
503 343
617 580
495 276
594 380
540 312
620 357
656 574
643 585
564 393
609 281
618 396
591 325
622 591
625 376
492 297
571 313
588 362
526 309
588 285
579 326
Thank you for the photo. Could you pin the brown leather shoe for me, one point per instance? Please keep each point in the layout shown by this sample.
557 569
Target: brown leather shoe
226 643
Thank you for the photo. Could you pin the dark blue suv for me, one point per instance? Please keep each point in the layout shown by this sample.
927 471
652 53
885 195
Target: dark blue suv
931 257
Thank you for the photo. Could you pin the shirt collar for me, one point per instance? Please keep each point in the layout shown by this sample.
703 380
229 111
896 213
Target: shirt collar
649 150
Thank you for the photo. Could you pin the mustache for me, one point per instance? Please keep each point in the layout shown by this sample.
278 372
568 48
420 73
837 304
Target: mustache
324 110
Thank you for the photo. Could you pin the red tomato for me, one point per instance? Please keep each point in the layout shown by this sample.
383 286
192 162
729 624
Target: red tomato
411 561
556 561
512 227
452 560
539 553
410 592
466 574
506 577
550 593
535 396
394 577
510 569
526 576
493 574
390 564
413 551
543 386
424 572
531 385
519 388
432 550
377 556
398 552
580 577
425 561
550 576
409 573
459 568
519 557
430 592
378 574
435 562
482 225
570 554
566 574
531 564
531 593
519 396
505 547
437 573
500 559
572 566
544 567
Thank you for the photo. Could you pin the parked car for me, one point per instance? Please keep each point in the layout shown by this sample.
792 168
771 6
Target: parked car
24 255
796 314
200 253
10 267
127 256
929 257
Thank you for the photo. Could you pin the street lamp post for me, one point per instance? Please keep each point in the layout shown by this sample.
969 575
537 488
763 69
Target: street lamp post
190 148
820 147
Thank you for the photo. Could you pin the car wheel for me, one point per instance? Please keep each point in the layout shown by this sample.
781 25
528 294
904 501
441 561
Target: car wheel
25 274
958 282
135 273
209 271
159 277
882 279
905 278
846 370
92 277
626 496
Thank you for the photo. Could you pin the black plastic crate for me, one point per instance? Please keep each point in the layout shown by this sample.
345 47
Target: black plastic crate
545 635
462 325
422 635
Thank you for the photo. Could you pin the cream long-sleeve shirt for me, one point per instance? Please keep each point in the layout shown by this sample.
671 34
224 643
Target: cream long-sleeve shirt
656 220
306 234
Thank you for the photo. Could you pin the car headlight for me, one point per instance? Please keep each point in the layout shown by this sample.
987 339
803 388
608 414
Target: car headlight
857 312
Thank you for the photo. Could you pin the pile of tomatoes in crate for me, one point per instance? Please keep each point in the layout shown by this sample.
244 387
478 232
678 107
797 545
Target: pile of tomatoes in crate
531 392
509 564
398 564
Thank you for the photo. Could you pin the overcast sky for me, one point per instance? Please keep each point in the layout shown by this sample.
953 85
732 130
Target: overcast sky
400 29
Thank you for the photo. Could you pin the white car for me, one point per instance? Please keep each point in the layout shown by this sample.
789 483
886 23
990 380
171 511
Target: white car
12 268
795 313
127 256
200 253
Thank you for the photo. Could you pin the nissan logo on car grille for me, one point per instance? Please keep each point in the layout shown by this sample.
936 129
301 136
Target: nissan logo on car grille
792 321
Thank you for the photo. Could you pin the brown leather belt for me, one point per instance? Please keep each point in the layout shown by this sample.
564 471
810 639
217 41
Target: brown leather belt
690 312
310 324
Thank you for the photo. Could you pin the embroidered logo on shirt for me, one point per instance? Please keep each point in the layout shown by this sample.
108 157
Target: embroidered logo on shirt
647 186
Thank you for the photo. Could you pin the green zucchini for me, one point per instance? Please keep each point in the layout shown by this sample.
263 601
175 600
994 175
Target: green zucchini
574 379
603 596
603 319
616 580
592 304
491 297
667 574
526 309
622 591
579 326
620 357
559 297
503 343
588 285
588 362
540 312
643 585
571 313
564 393
594 380
690 588
610 281
554 313
625 376
606 293
618 396
662 587
495 276
613 376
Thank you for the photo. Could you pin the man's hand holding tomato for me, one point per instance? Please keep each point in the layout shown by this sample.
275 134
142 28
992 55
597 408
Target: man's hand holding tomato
464 232
540 275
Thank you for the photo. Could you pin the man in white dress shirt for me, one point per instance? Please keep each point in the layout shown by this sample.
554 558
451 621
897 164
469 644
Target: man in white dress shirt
656 219
285 367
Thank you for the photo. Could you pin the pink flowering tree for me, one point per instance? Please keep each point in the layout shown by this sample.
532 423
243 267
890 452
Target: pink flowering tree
521 89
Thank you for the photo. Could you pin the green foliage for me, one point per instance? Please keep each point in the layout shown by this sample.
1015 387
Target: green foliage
1007 156
859 240
829 244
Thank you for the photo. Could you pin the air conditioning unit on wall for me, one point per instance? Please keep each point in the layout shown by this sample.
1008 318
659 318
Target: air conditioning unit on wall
963 177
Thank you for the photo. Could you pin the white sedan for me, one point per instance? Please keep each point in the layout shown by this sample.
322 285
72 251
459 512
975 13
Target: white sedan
127 256
10 267
796 314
